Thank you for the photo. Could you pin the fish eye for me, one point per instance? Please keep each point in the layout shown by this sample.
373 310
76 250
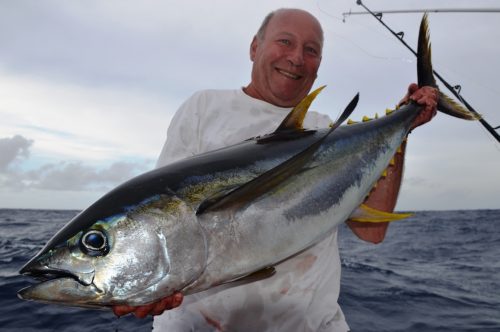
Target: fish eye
94 243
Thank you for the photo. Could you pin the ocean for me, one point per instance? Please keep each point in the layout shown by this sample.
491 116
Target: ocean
436 271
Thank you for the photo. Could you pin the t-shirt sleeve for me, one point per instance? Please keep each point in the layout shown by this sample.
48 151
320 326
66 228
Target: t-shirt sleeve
183 135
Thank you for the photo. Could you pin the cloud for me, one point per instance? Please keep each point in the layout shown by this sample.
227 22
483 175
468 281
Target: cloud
76 176
60 176
12 149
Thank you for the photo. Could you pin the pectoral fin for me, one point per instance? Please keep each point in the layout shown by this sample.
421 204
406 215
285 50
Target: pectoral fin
364 213
268 180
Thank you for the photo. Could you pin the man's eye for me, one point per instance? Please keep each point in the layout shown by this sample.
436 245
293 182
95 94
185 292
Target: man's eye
311 50
284 41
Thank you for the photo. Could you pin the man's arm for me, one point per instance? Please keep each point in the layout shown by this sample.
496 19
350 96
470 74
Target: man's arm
384 196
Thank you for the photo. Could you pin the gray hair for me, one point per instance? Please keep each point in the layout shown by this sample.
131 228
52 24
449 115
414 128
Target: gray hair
265 23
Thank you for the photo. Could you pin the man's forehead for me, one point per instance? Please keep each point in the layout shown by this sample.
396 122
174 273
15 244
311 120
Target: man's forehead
293 22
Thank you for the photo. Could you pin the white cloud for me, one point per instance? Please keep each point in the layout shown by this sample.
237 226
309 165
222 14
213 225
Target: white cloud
76 122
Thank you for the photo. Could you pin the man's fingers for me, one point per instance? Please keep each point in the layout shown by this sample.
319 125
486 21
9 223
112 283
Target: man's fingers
412 88
144 310
177 300
154 309
120 310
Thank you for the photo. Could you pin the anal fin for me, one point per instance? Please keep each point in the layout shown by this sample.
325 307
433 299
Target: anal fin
364 213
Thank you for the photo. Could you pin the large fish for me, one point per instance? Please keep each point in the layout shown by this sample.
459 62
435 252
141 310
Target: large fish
226 216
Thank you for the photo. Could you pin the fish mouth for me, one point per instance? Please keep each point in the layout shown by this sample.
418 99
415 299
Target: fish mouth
45 273
59 286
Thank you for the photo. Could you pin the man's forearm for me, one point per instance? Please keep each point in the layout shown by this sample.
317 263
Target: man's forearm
383 197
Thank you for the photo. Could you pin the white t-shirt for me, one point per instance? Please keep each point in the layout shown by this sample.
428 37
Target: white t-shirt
303 294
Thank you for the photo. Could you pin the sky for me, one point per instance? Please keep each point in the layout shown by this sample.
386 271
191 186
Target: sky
88 88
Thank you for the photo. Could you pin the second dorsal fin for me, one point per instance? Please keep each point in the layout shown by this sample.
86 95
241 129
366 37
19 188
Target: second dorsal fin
295 118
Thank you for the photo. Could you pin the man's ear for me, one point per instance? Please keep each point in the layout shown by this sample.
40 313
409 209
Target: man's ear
253 48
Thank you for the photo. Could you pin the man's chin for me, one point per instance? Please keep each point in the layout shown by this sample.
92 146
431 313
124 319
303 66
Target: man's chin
290 97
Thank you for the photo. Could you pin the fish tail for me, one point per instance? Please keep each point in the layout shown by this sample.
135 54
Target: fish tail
451 107
424 59
426 76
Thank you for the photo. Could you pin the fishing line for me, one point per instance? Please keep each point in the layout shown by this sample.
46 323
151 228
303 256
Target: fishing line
350 40
455 90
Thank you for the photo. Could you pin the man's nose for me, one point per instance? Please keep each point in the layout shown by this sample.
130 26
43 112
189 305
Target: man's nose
295 57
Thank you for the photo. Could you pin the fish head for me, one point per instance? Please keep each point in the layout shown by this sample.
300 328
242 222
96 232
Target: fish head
134 257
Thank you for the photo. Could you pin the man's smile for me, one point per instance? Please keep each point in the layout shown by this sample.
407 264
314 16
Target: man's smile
289 74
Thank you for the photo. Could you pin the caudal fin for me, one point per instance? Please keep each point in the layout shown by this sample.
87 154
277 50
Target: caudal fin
426 76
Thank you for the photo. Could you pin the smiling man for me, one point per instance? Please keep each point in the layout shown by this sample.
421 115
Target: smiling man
285 60
303 294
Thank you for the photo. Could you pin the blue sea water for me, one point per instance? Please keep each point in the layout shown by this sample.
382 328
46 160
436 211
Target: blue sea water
437 271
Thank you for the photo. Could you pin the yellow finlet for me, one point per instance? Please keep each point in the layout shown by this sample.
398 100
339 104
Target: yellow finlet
350 122
392 162
388 111
366 119
384 174
364 213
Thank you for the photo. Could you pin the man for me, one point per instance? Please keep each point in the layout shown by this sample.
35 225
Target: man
302 296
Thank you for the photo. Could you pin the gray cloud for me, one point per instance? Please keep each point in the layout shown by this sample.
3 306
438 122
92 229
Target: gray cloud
77 176
12 149
69 176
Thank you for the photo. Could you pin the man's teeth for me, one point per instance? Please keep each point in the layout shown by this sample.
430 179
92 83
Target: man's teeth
287 74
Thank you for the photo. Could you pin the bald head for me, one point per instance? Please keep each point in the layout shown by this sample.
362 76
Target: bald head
290 12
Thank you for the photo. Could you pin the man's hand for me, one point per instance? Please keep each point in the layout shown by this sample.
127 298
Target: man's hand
153 309
426 96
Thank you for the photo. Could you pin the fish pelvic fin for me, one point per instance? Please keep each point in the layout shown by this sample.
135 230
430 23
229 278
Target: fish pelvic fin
261 274
270 179
364 213
295 119
426 76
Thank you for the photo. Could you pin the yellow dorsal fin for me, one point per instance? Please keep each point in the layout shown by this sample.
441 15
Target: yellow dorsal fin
364 213
295 118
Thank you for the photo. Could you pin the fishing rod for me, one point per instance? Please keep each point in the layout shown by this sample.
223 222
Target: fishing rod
455 90
428 10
